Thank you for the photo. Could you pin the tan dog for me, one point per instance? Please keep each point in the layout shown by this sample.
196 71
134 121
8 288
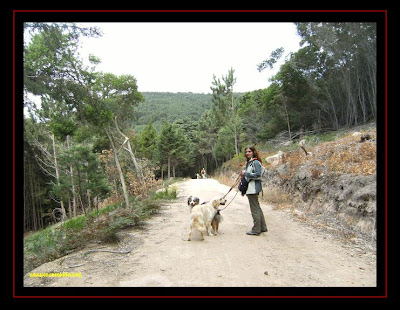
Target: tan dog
215 222
202 216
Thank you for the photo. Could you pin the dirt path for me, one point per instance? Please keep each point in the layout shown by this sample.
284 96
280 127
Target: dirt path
290 254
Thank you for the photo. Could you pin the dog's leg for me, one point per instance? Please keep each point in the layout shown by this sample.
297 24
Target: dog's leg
208 227
190 234
214 225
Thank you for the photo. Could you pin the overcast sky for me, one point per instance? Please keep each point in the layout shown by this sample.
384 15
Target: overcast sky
182 57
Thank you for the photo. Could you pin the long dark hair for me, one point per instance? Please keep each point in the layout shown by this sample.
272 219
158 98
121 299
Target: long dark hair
255 152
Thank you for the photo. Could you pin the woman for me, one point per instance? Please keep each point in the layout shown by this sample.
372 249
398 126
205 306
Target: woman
252 173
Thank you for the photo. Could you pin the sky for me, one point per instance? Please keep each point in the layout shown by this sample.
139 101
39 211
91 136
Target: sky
183 57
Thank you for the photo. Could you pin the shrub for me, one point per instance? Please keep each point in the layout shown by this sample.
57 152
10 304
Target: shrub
53 242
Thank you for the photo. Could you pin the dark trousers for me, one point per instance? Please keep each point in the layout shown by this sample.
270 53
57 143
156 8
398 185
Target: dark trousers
259 224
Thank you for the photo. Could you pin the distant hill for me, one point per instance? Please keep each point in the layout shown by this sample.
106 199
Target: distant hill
164 106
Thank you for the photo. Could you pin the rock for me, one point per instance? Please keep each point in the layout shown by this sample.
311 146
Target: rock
365 137
315 173
276 159
288 143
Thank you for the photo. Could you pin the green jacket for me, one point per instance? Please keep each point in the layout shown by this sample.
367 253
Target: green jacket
252 174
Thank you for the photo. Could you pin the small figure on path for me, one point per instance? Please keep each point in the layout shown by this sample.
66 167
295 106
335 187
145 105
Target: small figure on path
203 173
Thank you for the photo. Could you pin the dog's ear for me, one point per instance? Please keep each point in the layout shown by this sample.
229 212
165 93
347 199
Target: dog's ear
197 199
189 199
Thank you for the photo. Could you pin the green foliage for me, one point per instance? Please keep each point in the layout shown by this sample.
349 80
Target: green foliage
76 223
51 66
89 176
54 242
62 127
256 109
145 142
169 193
220 127
45 245
225 145
328 83
174 148
74 97
160 107
340 67
271 61
222 97
118 95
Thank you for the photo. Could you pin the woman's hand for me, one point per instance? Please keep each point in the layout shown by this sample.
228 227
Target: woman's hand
242 173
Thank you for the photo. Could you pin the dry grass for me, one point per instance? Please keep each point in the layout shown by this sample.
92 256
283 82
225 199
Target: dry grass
348 156
345 155
277 197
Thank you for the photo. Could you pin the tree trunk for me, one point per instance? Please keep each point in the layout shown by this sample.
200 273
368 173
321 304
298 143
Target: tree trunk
169 166
57 174
71 171
25 200
137 166
40 217
89 199
69 208
121 176
333 114
35 228
80 190
287 118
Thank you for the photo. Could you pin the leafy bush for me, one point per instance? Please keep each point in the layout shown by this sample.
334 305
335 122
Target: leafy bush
76 223
169 192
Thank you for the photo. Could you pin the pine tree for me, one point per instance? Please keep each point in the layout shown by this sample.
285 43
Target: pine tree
146 142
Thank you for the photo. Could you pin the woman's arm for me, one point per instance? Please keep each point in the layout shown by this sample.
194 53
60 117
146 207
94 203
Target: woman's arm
257 171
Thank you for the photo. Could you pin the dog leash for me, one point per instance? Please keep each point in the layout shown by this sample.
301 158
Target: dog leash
234 184
223 197
228 203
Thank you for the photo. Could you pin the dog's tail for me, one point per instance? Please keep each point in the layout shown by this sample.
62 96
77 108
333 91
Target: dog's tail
199 224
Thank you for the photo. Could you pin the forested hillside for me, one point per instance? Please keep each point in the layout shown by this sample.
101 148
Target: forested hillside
160 107
95 136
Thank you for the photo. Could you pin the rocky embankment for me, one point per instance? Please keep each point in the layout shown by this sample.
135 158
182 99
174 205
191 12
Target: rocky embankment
345 202
332 184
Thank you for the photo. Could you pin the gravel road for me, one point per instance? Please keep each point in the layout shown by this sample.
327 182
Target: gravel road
290 254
